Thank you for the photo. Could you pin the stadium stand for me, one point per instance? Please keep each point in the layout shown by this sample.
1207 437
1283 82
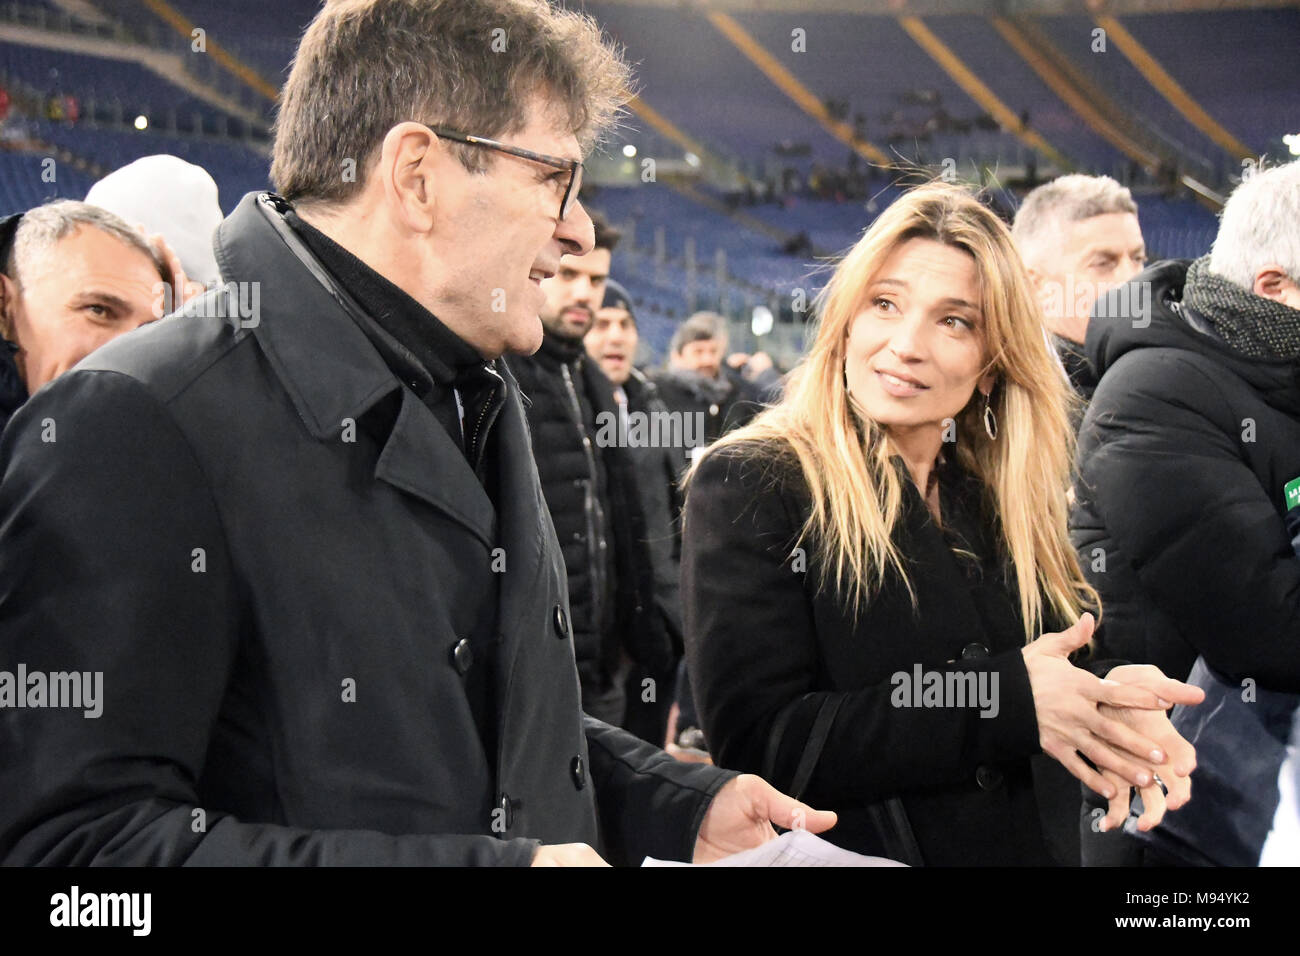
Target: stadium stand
708 231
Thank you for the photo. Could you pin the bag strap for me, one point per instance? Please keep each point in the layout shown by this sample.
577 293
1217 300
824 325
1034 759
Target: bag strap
777 735
890 819
889 816
812 752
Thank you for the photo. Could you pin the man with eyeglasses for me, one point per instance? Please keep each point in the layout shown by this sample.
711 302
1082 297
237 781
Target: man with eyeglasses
303 544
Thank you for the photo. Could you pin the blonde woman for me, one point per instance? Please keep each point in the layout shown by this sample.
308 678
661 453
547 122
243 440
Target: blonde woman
875 569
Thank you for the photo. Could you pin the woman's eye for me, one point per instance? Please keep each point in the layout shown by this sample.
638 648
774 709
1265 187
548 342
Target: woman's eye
956 321
883 304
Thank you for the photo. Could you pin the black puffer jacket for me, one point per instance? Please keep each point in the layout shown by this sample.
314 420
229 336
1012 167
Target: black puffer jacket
591 493
1178 522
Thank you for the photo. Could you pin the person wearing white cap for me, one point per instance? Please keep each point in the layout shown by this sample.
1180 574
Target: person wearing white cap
175 199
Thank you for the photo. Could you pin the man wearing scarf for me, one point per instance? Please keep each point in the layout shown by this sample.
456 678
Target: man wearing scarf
1186 458
697 384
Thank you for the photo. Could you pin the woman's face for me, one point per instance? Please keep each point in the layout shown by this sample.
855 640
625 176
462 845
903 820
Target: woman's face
916 349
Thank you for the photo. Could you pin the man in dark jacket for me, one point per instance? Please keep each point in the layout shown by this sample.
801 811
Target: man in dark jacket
301 548
644 425
1079 236
590 488
72 277
1192 437
700 387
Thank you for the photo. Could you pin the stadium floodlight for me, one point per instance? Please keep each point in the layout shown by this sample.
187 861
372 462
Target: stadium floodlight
142 122
761 320
629 150
692 159
1292 141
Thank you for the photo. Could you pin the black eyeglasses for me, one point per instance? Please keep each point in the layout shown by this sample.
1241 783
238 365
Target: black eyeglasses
574 166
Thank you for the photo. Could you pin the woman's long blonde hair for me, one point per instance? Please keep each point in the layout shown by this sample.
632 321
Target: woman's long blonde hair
857 492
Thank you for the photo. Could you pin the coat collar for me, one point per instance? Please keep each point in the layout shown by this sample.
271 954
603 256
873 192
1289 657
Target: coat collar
331 370
13 393
329 367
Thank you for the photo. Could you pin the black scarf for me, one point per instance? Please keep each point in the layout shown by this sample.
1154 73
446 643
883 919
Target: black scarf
714 390
1250 324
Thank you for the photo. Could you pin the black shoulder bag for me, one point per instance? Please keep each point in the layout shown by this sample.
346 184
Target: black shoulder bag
888 816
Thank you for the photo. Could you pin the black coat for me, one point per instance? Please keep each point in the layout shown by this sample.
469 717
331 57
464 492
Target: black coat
279 608
761 638
12 390
1182 461
660 495
715 417
591 491
656 462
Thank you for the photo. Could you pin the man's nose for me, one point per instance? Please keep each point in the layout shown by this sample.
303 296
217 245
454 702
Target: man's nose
582 289
576 231
1128 269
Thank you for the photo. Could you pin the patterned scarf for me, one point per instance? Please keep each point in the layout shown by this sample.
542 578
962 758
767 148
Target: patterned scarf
1250 324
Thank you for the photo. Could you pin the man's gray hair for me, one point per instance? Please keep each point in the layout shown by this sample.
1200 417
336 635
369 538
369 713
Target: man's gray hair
1042 216
43 226
700 327
1260 227
363 66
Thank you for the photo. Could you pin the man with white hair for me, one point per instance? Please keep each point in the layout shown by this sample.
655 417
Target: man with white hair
1079 236
1186 458
75 276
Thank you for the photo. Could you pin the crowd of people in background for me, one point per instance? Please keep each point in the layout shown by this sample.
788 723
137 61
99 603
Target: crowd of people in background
1018 460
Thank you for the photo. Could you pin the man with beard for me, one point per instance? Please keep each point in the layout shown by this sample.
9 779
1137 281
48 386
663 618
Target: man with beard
590 488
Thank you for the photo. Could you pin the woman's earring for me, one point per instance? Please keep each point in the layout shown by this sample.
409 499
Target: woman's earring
990 420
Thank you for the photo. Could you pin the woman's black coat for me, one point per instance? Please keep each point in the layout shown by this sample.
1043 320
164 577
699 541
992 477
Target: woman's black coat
760 638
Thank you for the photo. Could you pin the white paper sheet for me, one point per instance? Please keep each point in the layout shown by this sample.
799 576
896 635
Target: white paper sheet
795 848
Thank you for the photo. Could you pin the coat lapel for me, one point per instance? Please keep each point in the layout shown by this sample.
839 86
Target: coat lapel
332 372
421 459
933 553
526 533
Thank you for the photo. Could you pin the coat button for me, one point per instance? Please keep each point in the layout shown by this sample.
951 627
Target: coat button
579 771
462 656
974 651
507 809
561 621
988 778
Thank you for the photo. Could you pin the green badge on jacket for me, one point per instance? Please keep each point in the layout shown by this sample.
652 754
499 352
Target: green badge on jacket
1292 493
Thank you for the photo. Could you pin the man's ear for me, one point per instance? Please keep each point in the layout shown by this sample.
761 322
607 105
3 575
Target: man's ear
1272 282
406 170
8 303
1036 279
